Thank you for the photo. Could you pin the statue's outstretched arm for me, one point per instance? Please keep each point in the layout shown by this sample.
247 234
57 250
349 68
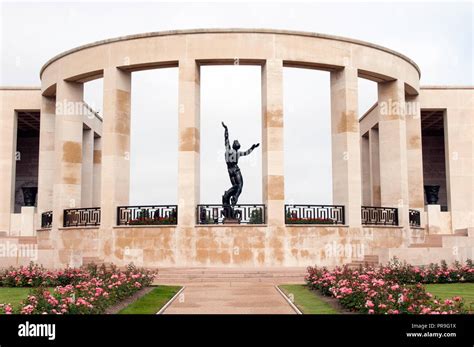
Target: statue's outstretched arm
248 151
226 136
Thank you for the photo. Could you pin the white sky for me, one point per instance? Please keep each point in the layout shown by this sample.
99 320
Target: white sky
437 36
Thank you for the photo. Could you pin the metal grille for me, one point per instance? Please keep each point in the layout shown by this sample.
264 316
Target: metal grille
216 214
46 219
314 214
82 217
371 215
415 218
147 215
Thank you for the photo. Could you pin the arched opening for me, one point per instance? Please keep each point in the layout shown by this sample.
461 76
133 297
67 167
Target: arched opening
154 137
307 119
230 94
92 146
369 144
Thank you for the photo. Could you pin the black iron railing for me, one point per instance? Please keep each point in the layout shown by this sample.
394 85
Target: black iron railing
147 215
82 217
371 215
314 214
240 214
46 219
414 217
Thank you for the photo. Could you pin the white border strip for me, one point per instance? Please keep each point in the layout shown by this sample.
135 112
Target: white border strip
170 301
296 309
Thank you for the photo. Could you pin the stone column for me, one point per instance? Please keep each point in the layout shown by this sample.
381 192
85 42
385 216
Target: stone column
374 166
414 153
8 135
68 149
97 170
365 169
189 142
346 143
393 148
87 167
273 185
115 177
46 161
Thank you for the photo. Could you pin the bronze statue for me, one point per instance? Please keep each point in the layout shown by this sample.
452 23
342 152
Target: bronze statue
232 155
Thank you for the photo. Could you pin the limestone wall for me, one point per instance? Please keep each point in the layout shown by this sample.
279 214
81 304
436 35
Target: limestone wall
218 246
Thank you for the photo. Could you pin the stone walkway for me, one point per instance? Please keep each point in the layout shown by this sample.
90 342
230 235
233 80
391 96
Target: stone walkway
229 298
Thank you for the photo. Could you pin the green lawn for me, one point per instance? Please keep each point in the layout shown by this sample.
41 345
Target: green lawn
447 291
306 300
13 296
152 302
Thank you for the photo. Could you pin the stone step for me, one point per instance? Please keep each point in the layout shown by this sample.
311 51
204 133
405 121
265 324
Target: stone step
215 274
356 265
232 273
461 232
425 245
233 270
92 260
353 266
362 262
181 280
27 240
436 241
229 276
368 260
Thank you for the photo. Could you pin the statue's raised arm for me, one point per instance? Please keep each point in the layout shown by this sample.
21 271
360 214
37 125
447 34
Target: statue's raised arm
226 136
248 151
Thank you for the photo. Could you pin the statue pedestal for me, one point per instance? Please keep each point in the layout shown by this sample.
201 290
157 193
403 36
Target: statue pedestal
433 213
231 221
23 224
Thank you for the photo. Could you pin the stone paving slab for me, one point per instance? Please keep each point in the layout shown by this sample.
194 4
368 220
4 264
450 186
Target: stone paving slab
229 298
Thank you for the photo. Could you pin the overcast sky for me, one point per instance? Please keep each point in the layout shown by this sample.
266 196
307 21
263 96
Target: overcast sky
437 36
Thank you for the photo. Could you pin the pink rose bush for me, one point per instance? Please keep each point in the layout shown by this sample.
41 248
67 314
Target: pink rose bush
80 291
35 275
6 309
392 289
434 273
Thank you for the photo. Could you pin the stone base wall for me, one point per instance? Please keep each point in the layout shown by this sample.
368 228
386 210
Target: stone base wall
214 246
236 246
18 250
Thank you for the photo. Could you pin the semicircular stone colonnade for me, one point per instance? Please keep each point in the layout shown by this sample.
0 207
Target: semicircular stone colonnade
272 243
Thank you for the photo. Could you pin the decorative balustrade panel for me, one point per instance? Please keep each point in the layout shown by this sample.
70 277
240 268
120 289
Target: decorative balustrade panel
414 218
46 220
371 215
82 217
147 215
314 214
241 214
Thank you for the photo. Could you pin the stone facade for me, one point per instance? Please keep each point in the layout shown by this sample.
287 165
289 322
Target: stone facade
377 160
